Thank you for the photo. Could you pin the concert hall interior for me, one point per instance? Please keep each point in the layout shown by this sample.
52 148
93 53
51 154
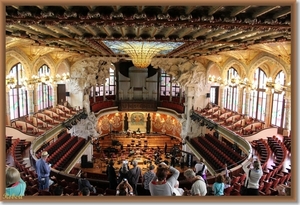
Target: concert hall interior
93 85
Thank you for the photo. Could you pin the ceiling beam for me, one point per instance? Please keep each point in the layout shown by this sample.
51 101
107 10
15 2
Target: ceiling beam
214 9
41 7
264 10
238 10
164 9
141 9
282 13
189 9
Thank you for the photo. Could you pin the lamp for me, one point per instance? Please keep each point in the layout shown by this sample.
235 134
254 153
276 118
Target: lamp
29 83
213 79
276 86
141 52
10 81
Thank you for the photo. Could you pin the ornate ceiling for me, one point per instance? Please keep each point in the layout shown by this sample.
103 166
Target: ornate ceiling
209 32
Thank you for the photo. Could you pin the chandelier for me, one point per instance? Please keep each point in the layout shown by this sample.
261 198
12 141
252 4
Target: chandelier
142 52
233 81
276 86
49 80
10 81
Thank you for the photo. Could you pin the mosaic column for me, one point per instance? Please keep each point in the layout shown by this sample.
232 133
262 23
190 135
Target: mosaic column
247 101
240 100
221 96
30 90
189 105
287 108
54 95
170 97
35 100
7 107
268 108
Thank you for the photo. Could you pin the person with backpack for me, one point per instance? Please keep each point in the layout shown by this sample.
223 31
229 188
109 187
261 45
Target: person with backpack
201 169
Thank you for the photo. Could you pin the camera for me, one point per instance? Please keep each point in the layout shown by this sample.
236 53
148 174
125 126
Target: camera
125 180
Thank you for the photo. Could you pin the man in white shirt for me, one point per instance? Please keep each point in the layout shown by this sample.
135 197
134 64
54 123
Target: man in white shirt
199 187
201 169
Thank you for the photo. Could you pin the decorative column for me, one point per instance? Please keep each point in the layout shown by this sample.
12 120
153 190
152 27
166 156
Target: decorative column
240 99
104 94
268 108
54 94
170 97
221 96
287 108
30 89
248 91
7 107
189 104
35 99
180 95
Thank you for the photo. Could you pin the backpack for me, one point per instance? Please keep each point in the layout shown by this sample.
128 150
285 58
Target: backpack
201 171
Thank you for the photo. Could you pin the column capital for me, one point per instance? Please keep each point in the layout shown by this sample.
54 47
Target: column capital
287 95
190 90
7 89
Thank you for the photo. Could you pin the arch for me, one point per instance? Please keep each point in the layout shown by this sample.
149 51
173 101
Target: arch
44 60
237 65
264 57
64 62
211 66
22 58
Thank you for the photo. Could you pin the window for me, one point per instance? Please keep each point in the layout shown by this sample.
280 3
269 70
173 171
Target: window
165 84
214 93
278 114
258 96
166 87
231 92
44 91
109 86
18 105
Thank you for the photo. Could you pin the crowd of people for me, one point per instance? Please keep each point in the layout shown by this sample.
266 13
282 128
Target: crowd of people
161 180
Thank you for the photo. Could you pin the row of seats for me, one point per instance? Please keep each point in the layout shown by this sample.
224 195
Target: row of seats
228 150
69 155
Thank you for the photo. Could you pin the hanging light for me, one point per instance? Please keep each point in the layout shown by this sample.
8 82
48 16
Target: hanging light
10 81
142 52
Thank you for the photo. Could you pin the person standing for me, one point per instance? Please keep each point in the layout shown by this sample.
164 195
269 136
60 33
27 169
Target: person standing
160 185
201 169
198 188
147 178
43 171
111 175
219 186
84 182
166 147
254 176
134 176
123 172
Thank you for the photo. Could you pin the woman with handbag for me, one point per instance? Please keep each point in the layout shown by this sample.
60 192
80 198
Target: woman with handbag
254 173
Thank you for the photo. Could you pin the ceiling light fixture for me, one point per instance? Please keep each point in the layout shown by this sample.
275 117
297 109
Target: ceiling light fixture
142 52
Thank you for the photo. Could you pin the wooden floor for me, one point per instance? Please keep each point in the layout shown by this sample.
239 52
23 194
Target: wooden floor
144 150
